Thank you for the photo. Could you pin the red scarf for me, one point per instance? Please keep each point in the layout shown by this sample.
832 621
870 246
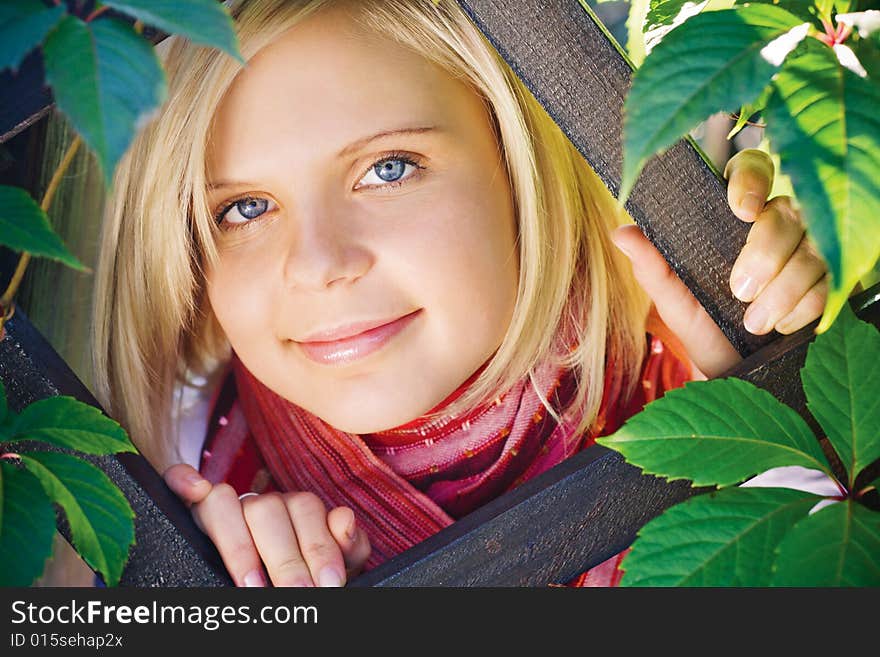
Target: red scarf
407 483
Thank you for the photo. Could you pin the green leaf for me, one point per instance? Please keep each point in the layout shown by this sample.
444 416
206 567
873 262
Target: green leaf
107 79
23 26
25 227
800 8
711 62
27 529
821 118
723 538
66 422
747 111
836 546
201 21
664 12
716 432
101 521
841 380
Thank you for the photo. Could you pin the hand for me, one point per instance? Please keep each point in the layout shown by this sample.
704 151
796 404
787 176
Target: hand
777 270
290 534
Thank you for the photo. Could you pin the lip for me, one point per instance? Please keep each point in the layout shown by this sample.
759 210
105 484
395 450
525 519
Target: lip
349 343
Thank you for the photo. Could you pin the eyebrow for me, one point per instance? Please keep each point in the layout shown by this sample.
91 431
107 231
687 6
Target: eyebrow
347 150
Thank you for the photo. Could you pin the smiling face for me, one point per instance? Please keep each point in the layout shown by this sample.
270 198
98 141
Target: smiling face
367 258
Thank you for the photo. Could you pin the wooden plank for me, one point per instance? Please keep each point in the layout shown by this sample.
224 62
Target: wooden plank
584 510
563 54
170 549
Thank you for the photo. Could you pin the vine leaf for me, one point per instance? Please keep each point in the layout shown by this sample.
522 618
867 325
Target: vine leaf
722 538
841 388
665 15
664 12
712 62
201 21
66 422
23 26
836 546
27 526
747 110
716 432
101 521
107 79
805 10
821 120
25 227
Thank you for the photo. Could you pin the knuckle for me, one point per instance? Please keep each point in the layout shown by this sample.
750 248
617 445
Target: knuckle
292 566
223 491
320 550
303 502
260 506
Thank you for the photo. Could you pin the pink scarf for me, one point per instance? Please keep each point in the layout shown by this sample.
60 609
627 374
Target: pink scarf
407 483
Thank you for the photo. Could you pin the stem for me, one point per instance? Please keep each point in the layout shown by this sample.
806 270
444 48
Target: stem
96 13
735 117
6 305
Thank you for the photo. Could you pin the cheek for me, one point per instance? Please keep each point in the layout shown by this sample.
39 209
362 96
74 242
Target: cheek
465 259
242 308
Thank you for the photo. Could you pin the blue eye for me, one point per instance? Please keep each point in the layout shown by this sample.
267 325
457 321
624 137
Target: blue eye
247 208
390 170
251 208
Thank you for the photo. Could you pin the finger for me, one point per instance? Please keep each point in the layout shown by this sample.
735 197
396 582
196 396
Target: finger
351 538
750 178
811 306
706 345
221 518
772 240
187 483
785 291
318 547
270 527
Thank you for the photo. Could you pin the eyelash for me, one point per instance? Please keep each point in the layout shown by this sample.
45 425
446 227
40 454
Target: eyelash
407 158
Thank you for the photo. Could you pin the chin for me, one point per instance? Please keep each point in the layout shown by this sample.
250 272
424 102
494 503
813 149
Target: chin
370 415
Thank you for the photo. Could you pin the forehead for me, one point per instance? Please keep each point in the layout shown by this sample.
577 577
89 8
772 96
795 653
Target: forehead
326 82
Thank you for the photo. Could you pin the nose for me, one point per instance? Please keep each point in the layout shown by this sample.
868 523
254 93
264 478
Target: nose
324 251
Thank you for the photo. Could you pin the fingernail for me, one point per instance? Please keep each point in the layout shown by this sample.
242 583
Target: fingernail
329 576
351 529
194 478
751 205
745 288
755 319
254 578
621 247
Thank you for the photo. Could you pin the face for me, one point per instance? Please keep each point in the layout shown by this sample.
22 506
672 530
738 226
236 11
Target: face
367 254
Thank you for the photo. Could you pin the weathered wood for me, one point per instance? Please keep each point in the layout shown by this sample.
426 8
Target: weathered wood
565 57
170 550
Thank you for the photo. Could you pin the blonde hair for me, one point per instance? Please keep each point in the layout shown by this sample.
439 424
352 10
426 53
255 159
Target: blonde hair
152 320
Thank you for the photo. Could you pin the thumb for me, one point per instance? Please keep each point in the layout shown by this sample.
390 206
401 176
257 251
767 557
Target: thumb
350 537
706 345
187 483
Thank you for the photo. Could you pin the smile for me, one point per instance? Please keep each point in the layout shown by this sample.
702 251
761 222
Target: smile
342 351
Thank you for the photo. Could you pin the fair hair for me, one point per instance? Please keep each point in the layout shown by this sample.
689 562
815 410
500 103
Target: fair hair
153 325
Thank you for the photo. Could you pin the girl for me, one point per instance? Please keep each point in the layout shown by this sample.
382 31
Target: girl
398 277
